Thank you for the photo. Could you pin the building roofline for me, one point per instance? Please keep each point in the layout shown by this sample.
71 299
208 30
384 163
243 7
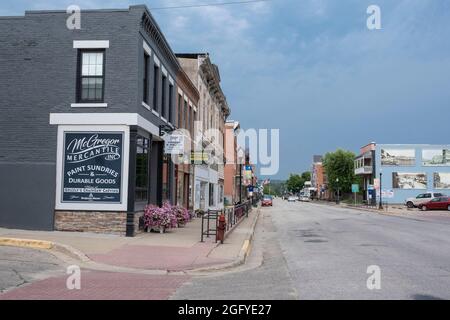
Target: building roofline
413 145
191 55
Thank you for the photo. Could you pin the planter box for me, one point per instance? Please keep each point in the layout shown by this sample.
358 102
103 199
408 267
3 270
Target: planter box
156 229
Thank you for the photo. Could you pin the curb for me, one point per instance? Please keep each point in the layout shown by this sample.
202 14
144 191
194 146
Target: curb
26 243
53 247
376 211
68 254
240 260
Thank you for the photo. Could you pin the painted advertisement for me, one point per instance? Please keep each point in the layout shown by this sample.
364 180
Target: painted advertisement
92 167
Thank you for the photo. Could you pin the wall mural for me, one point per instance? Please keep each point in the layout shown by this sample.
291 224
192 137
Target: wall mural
441 180
401 180
436 157
398 157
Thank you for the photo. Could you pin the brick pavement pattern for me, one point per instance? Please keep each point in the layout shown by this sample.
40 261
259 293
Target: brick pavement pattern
160 257
96 285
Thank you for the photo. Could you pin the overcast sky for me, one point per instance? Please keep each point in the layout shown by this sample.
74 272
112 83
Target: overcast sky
312 69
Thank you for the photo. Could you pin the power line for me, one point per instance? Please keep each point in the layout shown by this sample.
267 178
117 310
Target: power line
210 4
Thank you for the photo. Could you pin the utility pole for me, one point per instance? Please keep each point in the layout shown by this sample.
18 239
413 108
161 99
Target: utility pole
240 183
381 192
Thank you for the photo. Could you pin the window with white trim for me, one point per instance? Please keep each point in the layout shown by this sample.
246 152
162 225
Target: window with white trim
91 76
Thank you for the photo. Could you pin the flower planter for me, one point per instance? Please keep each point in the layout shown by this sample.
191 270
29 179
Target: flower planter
159 219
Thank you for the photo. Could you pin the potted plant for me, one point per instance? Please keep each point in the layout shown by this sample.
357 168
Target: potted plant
182 215
159 219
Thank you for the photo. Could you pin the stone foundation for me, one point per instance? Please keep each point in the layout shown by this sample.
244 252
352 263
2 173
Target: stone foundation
95 221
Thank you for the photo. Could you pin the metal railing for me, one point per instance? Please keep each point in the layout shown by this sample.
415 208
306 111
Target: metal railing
233 215
211 220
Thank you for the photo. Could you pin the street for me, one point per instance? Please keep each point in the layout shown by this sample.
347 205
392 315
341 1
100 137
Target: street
316 251
300 251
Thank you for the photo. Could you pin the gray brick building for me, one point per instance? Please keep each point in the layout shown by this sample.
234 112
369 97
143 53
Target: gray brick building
81 118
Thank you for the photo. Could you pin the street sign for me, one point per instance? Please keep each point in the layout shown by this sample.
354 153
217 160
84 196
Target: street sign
199 157
376 183
355 188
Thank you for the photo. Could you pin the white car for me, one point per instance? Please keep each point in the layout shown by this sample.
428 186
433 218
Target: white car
305 199
422 198
292 198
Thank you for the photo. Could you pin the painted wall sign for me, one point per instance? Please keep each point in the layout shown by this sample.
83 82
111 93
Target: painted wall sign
92 167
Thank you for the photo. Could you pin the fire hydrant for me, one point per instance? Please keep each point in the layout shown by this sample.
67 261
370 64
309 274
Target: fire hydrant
221 229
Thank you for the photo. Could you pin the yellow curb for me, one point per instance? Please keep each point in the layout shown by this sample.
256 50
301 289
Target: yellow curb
26 243
246 247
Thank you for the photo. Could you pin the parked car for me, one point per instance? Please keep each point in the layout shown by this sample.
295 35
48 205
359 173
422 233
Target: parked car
292 198
305 199
267 201
441 203
422 198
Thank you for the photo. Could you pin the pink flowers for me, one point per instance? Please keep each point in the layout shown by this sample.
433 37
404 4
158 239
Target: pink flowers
166 217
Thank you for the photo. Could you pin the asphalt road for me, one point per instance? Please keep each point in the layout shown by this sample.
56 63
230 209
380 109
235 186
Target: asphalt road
313 251
300 251
20 266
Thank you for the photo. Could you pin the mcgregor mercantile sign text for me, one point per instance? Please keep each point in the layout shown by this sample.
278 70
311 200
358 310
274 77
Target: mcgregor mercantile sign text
92 167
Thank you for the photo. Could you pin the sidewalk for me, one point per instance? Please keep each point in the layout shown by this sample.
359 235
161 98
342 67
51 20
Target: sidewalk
178 250
393 210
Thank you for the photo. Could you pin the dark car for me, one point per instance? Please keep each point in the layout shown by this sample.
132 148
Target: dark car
267 201
441 203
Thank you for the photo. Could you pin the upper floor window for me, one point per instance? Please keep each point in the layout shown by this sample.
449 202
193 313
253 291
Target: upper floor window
146 77
91 76
186 113
155 87
171 103
163 97
180 111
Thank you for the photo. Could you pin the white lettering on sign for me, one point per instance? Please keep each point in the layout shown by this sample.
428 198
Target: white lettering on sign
79 150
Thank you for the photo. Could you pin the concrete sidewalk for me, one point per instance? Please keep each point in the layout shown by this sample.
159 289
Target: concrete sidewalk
398 210
178 250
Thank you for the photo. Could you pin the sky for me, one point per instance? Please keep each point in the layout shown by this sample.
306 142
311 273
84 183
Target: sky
313 70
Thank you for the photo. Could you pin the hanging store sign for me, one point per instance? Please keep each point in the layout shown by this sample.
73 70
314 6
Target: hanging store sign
174 144
92 167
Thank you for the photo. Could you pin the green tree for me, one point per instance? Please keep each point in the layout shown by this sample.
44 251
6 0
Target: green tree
295 183
306 176
339 166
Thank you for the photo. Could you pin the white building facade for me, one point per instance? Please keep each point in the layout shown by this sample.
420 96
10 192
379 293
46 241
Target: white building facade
212 113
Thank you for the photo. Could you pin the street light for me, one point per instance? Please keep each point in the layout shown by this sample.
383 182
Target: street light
380 207
337 198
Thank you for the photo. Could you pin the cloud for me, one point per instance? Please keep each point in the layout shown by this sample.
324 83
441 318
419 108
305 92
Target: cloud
312 69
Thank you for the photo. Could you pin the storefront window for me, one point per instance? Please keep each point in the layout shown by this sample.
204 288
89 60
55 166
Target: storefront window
211 194
142 159
221 193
